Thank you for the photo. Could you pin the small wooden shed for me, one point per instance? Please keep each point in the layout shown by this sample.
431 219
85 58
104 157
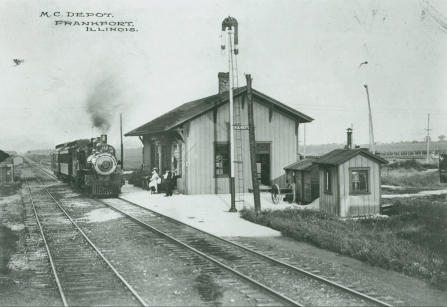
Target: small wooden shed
305 175
350 182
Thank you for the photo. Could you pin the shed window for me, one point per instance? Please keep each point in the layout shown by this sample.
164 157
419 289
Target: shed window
327 181
221 159
359 181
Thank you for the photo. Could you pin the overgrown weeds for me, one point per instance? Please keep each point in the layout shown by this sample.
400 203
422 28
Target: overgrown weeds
411 242
410 173
408 178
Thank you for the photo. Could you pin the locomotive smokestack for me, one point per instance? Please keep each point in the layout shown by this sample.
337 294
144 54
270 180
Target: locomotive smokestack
349 138
104 138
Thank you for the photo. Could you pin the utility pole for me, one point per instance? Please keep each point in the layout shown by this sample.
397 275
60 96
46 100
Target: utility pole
252 140
428 137
371 130
304 140
121 136
230 24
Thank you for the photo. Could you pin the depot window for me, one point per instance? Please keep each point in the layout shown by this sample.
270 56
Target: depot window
177 159
327 180
359 181
221 159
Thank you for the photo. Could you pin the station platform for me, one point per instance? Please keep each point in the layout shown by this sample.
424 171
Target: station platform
209 212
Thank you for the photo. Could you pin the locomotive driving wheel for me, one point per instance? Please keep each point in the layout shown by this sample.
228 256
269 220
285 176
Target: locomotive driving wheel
276 194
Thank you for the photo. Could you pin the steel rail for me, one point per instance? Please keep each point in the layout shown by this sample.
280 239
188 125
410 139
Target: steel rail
243 276
292 267
34 164
121 278
50 257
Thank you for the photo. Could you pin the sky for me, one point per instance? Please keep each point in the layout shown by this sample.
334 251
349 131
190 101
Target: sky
306 54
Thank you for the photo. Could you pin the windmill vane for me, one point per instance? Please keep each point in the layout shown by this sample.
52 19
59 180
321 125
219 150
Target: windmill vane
230 23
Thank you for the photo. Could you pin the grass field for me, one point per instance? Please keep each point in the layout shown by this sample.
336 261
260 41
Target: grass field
411 174
411 241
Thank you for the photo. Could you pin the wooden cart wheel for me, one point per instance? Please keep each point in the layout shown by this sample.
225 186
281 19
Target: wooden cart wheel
276 194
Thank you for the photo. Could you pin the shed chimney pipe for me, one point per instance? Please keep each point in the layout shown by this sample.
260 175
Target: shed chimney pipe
349 138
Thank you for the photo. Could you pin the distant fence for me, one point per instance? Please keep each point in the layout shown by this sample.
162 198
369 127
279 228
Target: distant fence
417 154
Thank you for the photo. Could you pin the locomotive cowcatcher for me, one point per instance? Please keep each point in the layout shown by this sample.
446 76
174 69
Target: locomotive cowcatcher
90 165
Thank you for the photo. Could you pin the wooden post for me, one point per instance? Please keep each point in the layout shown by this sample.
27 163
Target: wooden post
121 136
252 140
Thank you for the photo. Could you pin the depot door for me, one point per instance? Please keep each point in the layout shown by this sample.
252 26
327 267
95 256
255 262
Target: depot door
165 158
263 163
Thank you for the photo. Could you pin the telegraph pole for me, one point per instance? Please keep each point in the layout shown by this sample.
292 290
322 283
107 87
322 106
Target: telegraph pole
252 140
121 136
371 131
428 137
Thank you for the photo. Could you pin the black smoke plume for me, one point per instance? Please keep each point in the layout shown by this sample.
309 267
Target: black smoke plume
103 103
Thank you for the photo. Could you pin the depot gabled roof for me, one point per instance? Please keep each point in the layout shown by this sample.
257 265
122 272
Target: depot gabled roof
192 109
339 156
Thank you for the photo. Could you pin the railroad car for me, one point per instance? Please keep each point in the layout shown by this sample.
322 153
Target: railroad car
89 164
443 168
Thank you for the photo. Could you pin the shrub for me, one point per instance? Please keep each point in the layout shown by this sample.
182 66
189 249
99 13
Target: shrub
407 164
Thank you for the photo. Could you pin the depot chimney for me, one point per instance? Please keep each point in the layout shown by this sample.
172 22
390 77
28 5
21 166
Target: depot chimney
224 82
349 138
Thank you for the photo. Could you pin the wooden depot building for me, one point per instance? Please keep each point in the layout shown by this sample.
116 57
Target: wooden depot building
193 140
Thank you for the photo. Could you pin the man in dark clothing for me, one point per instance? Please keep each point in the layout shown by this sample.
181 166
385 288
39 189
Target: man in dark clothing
168 183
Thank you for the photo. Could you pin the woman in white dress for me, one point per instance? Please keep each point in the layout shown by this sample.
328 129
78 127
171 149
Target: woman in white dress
154 181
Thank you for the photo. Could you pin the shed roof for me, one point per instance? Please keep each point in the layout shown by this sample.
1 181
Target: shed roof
302 165
339 156
192 109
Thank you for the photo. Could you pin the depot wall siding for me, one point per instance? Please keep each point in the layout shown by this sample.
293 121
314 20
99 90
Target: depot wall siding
213 126
199 150
364 204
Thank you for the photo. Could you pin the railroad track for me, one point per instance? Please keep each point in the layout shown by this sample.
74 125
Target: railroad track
285 280
254 293
82 274
289 283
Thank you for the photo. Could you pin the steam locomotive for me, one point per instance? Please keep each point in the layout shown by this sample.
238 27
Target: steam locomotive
90 165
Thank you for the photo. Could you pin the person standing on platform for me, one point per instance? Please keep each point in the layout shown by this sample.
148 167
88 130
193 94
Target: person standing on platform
154 181
168 183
